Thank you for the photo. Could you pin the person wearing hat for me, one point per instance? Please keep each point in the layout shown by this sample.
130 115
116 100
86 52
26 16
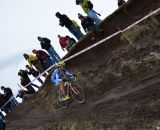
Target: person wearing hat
44 57
121 2
34 73
46 45
71 25
34 60
89 24
87 7
8 94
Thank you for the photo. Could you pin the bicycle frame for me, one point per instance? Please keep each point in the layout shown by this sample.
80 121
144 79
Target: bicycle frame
68 84
77 94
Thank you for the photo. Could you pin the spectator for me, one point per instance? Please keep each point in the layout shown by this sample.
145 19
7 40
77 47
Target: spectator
32 71
21 94
121 2
25 78
71 25
70 42
33 60
26 84
88 24
87 7
2 122
44 57
6 107
9 96
46 44
66 42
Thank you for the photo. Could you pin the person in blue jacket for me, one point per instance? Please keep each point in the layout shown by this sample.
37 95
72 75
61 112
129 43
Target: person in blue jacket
59 77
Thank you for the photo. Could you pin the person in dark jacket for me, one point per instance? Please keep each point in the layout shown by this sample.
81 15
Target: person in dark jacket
25 80
8 94
22 94
46 44
34 73
70 25
88 24
121 2
2 122
42 55
6 107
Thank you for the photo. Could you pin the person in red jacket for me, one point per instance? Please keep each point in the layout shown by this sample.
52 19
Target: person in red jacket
62 41
66 42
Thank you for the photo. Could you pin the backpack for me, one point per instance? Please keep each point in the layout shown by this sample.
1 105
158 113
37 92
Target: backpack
75 24
90 5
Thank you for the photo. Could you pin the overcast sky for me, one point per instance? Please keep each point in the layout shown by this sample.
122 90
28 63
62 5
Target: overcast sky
23 20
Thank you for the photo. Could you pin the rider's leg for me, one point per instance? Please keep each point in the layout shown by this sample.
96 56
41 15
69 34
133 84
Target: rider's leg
62 88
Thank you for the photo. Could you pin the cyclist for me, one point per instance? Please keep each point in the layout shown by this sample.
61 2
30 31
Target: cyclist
59 77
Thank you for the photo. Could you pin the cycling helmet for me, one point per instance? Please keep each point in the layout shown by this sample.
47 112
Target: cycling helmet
61 63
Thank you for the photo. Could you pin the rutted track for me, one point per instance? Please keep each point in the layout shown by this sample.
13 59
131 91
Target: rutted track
121 82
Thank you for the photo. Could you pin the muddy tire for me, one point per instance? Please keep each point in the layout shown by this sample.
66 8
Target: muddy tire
78 93
60 99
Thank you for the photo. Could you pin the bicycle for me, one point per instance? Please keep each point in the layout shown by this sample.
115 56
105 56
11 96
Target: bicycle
74 90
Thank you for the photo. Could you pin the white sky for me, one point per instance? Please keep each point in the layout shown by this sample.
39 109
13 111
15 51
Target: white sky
21 21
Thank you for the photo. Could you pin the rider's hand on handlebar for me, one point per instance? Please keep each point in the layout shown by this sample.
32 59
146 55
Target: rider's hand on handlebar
64 80
75 75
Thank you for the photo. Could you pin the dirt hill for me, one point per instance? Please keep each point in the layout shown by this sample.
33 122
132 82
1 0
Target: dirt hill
121 78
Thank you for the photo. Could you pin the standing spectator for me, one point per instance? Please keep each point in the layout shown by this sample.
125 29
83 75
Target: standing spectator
32 71
9 96
62 41
4 107
71 25
2 122
33 60
46 44
66 42
42 55
88 24
121 2
70 42
22 94
25 83
24 75
87 7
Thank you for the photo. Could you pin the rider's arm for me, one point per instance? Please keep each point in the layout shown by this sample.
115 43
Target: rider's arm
55 76
58 78
68 73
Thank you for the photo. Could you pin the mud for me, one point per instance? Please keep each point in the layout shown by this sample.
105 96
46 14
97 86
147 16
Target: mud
120 78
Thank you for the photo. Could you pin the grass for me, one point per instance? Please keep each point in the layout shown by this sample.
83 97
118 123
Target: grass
137 31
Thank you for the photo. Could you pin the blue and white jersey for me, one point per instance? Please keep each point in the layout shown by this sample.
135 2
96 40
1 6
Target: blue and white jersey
58 75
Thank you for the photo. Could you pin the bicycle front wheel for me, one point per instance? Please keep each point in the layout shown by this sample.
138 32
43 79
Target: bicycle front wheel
78 93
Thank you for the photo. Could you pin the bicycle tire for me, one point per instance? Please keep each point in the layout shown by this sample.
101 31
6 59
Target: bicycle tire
78 93
59 99
62 103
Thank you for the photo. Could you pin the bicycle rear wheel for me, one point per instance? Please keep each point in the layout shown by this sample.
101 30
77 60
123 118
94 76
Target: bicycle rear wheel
78 93
60 99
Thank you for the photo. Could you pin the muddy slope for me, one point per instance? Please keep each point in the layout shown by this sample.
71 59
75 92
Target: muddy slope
120 77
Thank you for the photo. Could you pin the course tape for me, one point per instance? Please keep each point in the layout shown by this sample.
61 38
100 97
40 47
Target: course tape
90 47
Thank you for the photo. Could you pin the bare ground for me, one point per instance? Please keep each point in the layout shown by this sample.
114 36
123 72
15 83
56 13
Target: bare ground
121 80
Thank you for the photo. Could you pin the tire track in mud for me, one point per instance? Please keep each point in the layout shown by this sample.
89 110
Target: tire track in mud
113 94
77 111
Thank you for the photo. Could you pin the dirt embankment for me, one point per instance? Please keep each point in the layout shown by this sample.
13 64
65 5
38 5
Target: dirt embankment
120 77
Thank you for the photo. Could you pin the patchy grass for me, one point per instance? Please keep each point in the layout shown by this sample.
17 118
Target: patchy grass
137 31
